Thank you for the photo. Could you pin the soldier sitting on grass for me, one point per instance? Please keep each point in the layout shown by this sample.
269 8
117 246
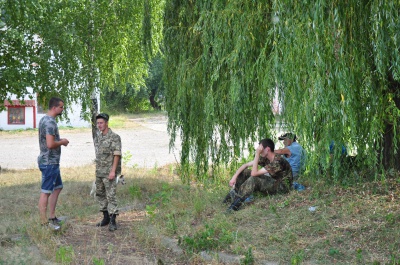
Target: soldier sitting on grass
275 176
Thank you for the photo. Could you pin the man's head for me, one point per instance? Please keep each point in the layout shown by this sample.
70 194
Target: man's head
288 138
102 121
268 143
56 106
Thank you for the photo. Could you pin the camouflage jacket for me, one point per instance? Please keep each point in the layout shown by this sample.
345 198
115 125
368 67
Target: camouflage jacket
48 125
279 169
107 146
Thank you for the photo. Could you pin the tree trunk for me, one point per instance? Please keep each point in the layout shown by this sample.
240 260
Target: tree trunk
389 158
91 79
391 154
93 111
153 102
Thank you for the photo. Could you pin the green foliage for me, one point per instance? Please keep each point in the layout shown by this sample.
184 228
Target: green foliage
116 121
135 192
199 205
126 157
65 254
212 237
248 257
391 218
359 255
151 210
334 67
171 224
154 82
163 196
147 96
97 261
273 209
333 252
69 48
394 260
131 100
298 258
159 199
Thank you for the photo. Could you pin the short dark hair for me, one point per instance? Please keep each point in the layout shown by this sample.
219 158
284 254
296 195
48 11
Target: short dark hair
54 102
104 116
268 143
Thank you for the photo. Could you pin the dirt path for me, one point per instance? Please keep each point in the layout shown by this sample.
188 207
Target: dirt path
147 142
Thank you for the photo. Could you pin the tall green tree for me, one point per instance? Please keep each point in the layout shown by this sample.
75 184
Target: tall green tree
16 50
82 45
150 96
154 82
334 64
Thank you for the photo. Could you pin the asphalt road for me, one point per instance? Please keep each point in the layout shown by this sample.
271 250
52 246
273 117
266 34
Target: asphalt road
147 143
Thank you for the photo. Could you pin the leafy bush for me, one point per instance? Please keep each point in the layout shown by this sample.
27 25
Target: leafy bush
211 237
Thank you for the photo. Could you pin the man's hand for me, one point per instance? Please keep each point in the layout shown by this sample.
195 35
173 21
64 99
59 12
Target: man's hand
64 142
111 176
259 149
232 182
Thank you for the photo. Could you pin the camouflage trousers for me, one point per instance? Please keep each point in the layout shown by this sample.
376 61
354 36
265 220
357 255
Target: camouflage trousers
246 185
106 194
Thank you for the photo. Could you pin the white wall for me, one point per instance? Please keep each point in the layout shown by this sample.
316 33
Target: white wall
74 112
28 120
73 116
29 117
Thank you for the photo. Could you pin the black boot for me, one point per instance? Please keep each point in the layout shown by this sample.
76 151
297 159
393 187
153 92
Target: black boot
113 224
106 219
230 196
227 198
236 204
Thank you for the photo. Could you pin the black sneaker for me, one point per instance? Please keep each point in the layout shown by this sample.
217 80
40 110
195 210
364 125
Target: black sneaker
55 221
51 226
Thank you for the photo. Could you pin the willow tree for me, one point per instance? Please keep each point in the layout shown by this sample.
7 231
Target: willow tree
334 64
79 45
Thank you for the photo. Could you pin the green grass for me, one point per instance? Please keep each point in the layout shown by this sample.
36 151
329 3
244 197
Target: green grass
352 225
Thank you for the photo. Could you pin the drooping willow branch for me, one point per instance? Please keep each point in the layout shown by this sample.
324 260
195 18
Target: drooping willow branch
329 62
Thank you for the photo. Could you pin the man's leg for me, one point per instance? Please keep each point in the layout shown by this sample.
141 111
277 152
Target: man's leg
101 195
111 190
251 185
264 184
267 185
47 187
102 199
43 199
58 185
245 190
53 202
243 176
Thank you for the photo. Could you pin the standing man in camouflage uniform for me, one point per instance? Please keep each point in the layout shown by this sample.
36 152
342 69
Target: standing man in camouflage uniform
275 176
49 163
108 166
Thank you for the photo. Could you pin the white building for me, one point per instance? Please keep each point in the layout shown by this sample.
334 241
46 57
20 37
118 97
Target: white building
27 115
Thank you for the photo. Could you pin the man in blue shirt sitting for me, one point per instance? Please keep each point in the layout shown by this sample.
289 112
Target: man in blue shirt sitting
293 152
